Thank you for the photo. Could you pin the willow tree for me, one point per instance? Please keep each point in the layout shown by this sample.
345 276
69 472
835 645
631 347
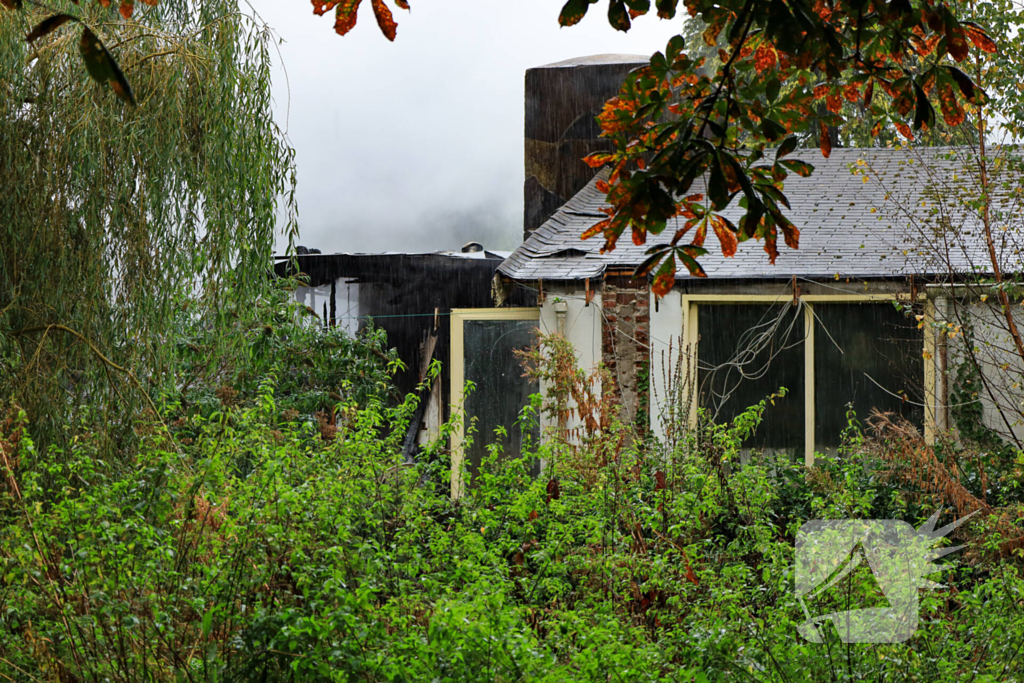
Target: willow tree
121 221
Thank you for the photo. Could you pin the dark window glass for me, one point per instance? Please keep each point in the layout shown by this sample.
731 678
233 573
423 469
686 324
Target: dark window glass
746 353
868 355
501 391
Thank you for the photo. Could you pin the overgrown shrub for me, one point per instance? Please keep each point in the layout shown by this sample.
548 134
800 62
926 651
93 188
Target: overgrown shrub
244 545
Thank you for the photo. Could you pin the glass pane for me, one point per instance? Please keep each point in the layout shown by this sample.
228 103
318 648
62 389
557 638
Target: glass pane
746 353
501 391
868 355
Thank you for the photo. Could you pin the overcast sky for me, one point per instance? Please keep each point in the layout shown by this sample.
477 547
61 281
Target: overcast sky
417 145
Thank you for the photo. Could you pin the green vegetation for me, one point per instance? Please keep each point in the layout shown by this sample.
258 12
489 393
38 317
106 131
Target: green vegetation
248 542
199 483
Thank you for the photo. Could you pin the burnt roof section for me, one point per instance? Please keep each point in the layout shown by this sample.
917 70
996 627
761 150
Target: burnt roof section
392 268
847 227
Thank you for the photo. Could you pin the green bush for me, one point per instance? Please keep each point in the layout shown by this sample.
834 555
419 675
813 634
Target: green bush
248 543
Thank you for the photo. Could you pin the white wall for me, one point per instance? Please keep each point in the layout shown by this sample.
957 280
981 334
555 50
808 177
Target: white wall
1001 394
583 325
667 352
347 302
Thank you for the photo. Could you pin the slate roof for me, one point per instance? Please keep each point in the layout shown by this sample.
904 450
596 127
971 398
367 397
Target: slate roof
847 227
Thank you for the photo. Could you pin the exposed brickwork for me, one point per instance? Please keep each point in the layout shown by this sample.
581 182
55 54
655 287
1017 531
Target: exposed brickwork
624 346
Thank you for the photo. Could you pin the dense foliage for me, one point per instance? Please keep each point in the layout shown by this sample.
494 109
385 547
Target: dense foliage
119 221
248 543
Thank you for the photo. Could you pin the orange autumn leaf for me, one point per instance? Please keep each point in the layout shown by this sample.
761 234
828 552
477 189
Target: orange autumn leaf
834 103
927 45
791 233
771 248
126 8
956 42
321 7
639 235
904 130
690 576
978 36
929 83
952 112
764 58
851 93
595 229
597 160
825 143
700 235
385 20
710 34
726 237
345 16
663 283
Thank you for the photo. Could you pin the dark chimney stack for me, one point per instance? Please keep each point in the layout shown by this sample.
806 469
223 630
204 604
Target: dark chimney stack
562 101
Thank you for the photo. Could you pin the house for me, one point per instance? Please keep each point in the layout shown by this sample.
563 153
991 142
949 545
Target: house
860 318
410 296
872 312
822 322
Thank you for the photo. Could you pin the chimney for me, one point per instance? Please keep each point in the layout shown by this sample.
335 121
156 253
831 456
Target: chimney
562 101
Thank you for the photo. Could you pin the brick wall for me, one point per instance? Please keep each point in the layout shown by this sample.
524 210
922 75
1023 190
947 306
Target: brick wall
625 342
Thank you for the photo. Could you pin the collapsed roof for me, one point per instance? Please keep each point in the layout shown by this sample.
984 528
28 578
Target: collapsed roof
851 224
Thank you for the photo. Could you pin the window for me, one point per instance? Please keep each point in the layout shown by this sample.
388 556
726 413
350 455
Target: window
746 353
828 353
484 342
867 356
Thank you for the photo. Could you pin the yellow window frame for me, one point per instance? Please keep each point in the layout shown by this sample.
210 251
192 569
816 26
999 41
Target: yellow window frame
691 311
458 375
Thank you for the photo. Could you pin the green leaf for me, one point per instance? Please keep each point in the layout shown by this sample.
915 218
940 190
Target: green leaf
676 46
208 622
787 146
924 114
666 8
771 91
102 66
801 168
656 254
718 189
618 16
771 130
48 25
973 93
573 11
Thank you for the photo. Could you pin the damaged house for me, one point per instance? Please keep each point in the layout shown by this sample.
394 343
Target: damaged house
411 297
870 314
834 323
865 316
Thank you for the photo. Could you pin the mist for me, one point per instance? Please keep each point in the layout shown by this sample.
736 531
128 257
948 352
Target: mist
417 145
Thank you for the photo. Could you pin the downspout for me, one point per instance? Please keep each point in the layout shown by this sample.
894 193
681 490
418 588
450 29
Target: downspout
561 308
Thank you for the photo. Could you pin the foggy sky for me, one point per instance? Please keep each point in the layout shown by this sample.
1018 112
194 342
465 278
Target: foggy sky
417 145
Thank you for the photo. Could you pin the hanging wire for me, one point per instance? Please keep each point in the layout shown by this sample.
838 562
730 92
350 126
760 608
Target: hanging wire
772 335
